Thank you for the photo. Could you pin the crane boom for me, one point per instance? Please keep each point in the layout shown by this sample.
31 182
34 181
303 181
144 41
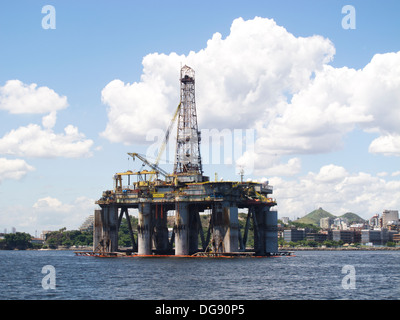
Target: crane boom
162 148
150 164
155 166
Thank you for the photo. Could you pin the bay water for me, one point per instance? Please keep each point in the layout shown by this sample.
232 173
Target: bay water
307 275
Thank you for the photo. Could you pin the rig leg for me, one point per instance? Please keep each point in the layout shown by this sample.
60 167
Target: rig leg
182 228
271 231
97 230
259 231
144 229
193 235
225 236
161 243
105 235
265 231
218 228
231 239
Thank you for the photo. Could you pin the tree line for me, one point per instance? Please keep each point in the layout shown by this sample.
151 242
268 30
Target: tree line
63 238
23 240
18 240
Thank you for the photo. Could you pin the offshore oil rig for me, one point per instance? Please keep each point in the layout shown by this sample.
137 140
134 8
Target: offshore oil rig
187 193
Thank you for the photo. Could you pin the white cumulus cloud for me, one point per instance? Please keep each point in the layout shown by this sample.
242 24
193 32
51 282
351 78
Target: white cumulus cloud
337 191
49 213
263 77
331 173
335 102
387 145
50 204
13 169
17 98
34 141
238 80
49 120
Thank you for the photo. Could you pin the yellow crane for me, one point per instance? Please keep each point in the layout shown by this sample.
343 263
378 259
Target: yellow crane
163 145
154 165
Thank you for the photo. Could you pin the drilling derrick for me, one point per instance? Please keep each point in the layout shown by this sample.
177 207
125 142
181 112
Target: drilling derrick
187 165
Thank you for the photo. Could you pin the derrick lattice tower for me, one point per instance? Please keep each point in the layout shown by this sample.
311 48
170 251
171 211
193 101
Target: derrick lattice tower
187 156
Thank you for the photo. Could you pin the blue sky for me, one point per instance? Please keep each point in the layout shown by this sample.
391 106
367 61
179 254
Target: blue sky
97 42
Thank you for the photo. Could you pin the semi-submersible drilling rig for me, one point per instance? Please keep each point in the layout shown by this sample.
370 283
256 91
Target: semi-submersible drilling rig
187 193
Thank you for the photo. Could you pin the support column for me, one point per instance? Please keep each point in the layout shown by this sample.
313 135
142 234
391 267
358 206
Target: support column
271 231
218 228
160 229
144 229
225 236
193 229
112 219
97 230
181 228
231 239
105 235
259 231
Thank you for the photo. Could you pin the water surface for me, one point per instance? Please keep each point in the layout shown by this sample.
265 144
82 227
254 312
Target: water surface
307 275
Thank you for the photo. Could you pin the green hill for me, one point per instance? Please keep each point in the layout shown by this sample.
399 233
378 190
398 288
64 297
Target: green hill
314 216
352 218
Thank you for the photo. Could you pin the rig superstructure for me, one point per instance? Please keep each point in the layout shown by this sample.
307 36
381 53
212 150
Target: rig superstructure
187 193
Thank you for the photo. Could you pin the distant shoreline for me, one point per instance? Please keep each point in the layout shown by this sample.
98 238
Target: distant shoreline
80 248
341 249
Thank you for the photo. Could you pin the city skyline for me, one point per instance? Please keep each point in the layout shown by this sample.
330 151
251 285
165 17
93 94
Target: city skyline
312 88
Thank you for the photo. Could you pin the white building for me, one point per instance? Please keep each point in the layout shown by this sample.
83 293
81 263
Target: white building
340 223
325 223
87 225
374 221
285 220
390 217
